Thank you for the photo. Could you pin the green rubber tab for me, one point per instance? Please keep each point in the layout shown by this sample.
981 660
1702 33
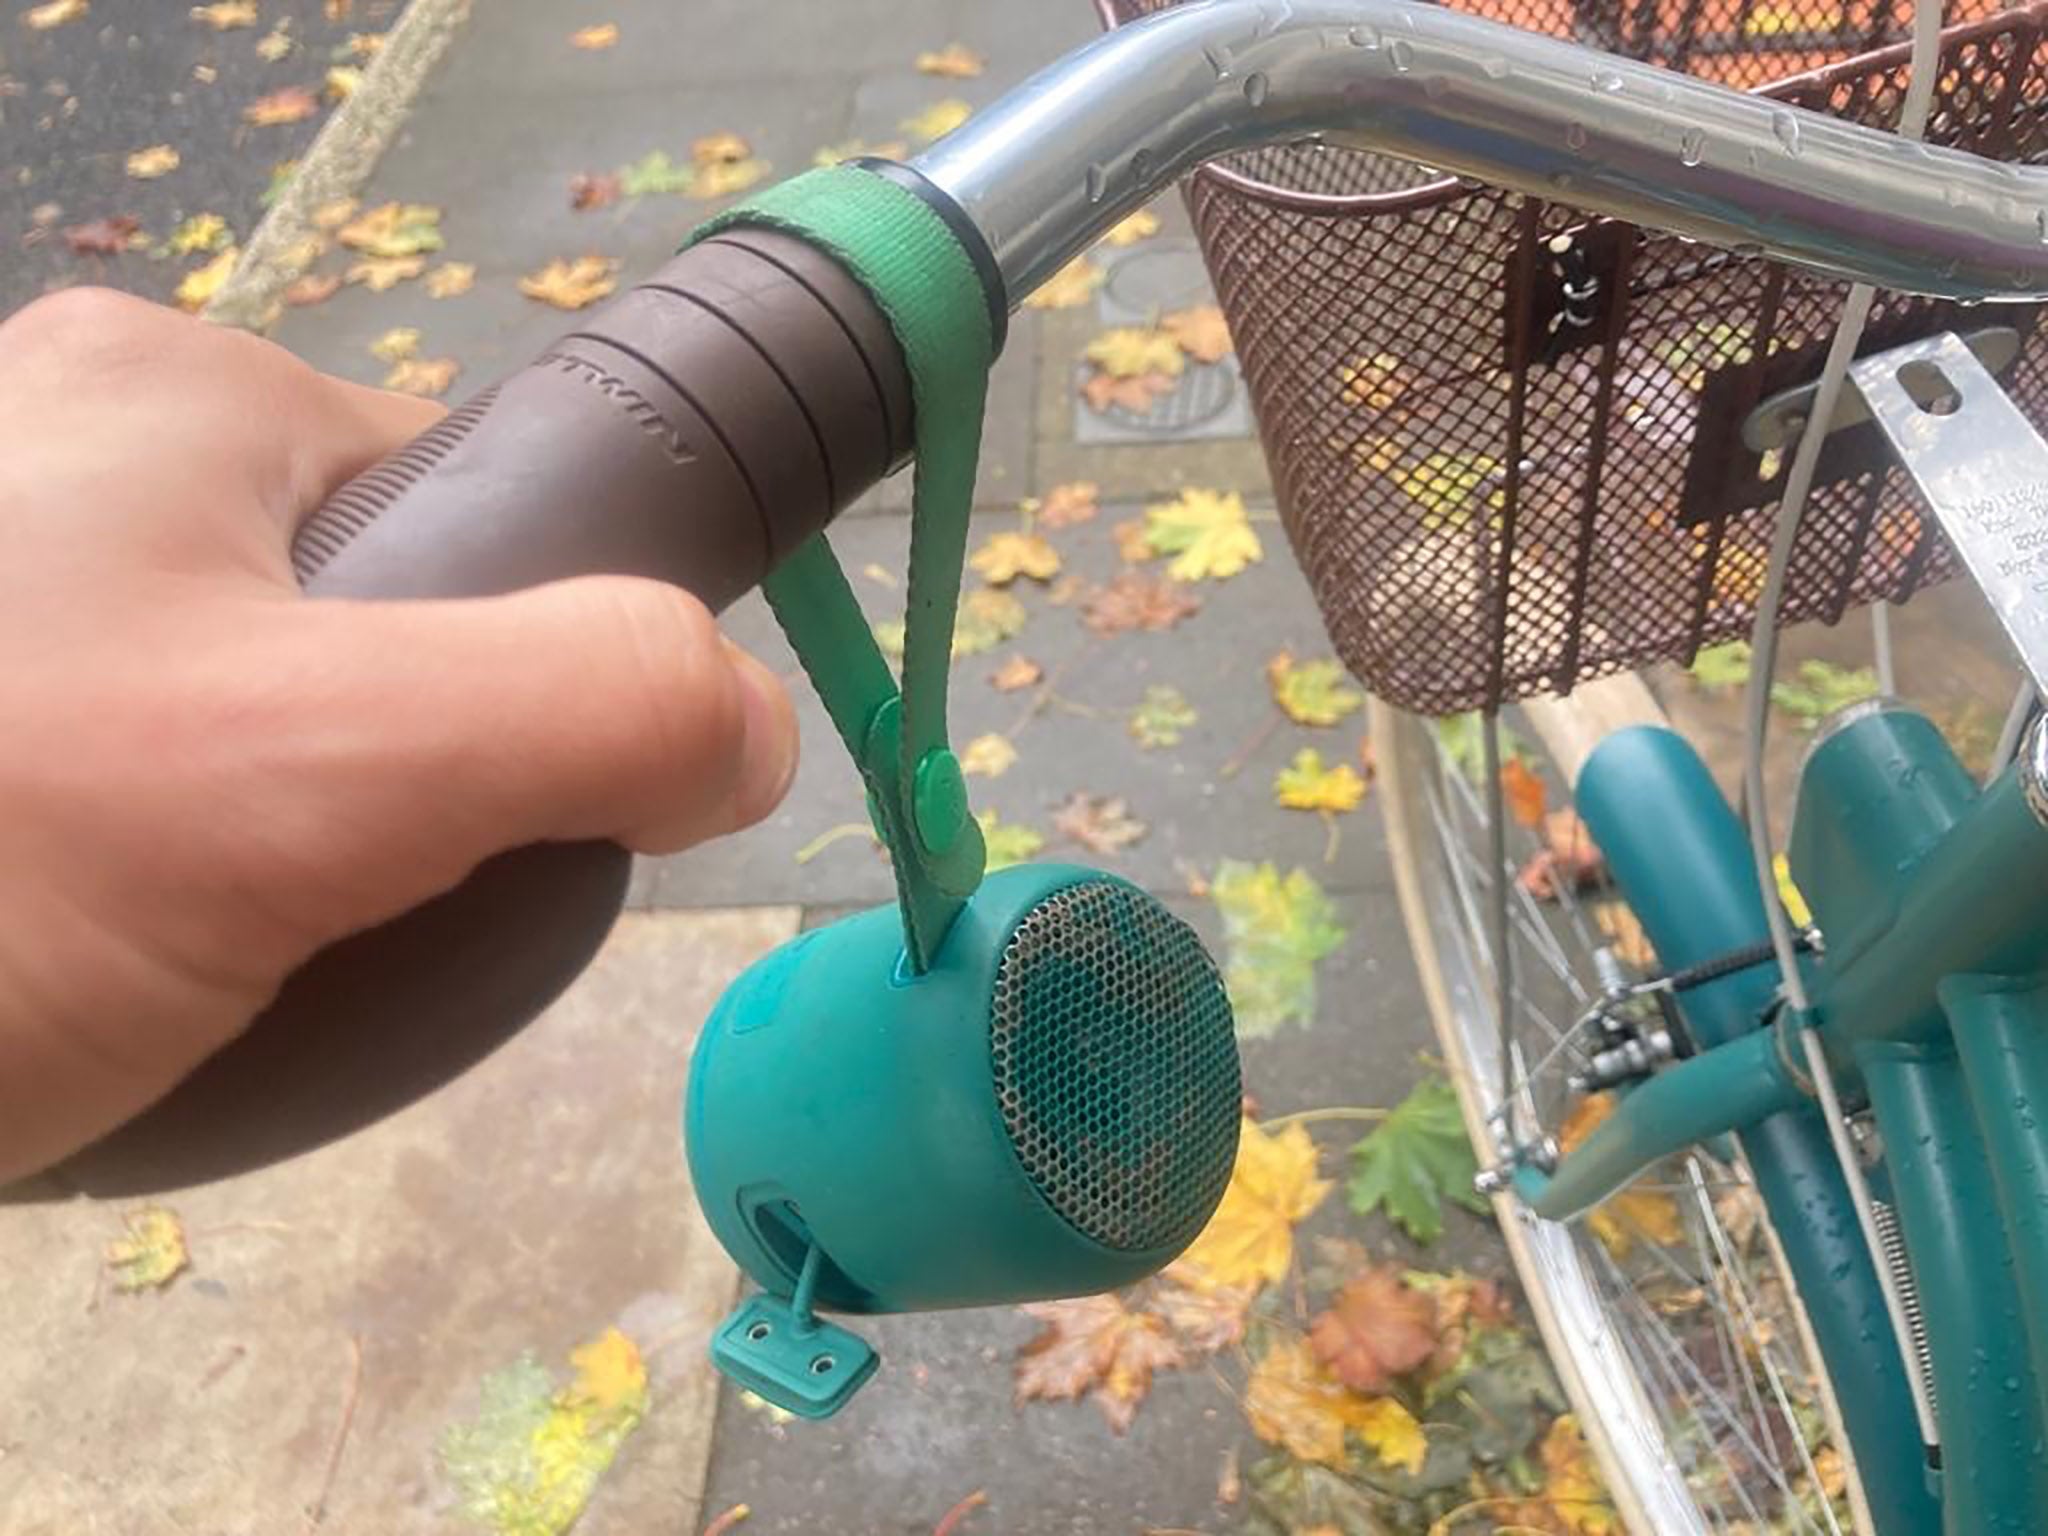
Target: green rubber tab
926 285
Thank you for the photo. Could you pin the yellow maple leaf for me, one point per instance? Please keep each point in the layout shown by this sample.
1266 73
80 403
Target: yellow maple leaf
611 1378
341 82
201 232
722 178
426 376
955 61
1306 784
571 284
1207 533
396 344
1201 332
202 283
43 17
1142 225
148 164
1628 1214
276 43
1311 692
226 14
937 120
449 279
1292 1402
590 39
1250 1240
1008 555
1445 485
380 273
1096 1345
153 1251
990 756
1573 1501
1132 350
1067 288
389 229
292 104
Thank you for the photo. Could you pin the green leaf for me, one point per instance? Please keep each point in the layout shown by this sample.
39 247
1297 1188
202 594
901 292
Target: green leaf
1721 667
1275 929
654 173
1312 692
1818 689
1007 842
1414 1160
1159 720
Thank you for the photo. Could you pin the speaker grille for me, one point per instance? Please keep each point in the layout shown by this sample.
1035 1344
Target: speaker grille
1115 1065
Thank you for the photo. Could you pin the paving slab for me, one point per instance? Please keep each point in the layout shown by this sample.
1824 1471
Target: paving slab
527 1207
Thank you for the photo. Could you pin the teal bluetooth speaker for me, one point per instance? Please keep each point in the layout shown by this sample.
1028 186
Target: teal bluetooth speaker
1050 1109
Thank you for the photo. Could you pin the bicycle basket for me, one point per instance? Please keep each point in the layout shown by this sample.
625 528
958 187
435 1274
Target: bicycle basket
1503 478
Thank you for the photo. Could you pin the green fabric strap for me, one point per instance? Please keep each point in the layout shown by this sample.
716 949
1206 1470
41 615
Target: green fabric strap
913 266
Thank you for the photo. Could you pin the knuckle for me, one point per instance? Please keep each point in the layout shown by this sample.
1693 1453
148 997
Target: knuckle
678 686
89 326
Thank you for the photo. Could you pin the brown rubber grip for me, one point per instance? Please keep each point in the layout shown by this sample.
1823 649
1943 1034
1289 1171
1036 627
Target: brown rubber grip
695 430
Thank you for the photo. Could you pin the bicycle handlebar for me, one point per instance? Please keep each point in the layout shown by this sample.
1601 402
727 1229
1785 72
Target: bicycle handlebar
708 420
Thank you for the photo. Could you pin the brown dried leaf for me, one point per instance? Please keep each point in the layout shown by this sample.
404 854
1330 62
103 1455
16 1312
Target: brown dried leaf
312 289
429 376
292 104
101 237
590 39
1377 1328
1133 542
1095 1345
1204 1317
1200 332
1137 395
1008 555
1138 601
1134 351
1569 859
1020 671
571 284
1522 788
330 216
1068 504
593 189
1100 823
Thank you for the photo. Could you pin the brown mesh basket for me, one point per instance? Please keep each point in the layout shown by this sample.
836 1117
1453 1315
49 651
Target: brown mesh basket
1499 485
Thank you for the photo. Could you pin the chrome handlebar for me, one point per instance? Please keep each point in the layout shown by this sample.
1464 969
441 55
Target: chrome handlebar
1085 141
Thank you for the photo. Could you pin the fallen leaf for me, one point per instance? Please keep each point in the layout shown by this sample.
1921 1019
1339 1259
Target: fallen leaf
1207 533
1393 1434
101 237
1070 287
201 232
148 164
1132 351
1068 504
1378 1327
1138 601
1568 860
1161 716
1273 1187
722 178
1098 1346
859 149
1200 332
1276 930
276 43
653 174
1444 485
990 756
312 289
382 273
151 1254
1308 784
396 344
1137 396
391 229
1619 924
1819 689
987 617
1311 692
449 279
1788 893
529 1461
1020 671
331 215
225 15
1203 1316
1374 382
1142 225
593 190
56 13
292 104
1008 555
1631 1213
1467 1307
571 284
1414 1160
1102 824
1831 1471
1572 1501
1006 842
364 45
340 82
1133 546
937 120
1523 790
202 283
1292 1402
426 376
955 61
590 39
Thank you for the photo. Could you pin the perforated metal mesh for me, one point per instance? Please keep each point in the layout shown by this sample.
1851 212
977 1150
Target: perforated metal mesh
1115 1065
1491 500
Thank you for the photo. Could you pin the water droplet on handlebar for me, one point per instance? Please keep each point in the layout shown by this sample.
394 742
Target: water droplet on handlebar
1255 89
1401 54
1692 147
1786 128
1367 38
1606 80
1575 136
1494 67
1097 183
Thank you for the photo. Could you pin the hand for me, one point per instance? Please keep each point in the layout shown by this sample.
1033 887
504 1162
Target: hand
204 777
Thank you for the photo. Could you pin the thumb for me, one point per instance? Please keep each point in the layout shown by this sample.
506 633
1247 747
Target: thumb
604 707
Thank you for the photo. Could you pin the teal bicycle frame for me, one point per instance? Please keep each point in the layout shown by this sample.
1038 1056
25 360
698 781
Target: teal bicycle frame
1929 1001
